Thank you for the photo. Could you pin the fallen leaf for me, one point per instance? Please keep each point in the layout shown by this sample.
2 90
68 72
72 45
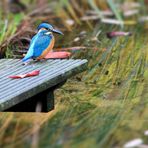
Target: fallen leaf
58 55
30 74
118 33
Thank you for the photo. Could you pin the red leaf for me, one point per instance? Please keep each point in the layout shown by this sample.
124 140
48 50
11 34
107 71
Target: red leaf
118 33
30 74
57 55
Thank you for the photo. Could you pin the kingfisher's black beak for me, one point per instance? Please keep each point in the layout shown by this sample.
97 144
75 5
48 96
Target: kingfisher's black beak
57 31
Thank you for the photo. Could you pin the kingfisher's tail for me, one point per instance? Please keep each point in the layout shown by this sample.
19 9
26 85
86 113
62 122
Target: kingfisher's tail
26 58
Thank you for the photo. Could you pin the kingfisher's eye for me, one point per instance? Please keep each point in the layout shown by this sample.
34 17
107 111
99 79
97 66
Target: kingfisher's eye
50 30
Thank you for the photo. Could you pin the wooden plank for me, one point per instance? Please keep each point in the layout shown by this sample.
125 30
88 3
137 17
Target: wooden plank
52 73
43 102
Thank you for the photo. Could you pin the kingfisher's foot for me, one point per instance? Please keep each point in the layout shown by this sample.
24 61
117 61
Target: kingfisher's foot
26 63
43 60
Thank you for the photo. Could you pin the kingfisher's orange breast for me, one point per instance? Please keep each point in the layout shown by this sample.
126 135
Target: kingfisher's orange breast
47 50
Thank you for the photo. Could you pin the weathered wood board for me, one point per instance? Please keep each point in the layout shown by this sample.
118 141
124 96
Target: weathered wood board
52 72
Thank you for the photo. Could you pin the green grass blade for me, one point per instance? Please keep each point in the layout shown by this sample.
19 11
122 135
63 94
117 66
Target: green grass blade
94 6
115 11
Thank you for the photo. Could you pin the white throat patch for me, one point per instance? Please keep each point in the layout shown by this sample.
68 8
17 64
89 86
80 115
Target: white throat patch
47 33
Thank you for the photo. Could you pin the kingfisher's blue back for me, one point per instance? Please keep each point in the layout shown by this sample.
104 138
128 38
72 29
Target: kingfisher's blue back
39 43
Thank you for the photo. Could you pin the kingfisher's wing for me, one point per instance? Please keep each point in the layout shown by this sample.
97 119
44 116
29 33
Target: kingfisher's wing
37 46
30 50
41 44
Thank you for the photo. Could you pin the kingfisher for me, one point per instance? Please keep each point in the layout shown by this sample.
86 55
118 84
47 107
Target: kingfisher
42 42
